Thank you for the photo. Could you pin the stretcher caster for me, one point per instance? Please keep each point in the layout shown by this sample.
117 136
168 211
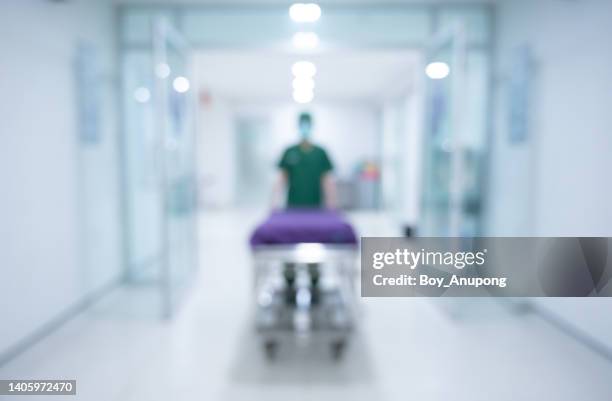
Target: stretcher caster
270 349
337 349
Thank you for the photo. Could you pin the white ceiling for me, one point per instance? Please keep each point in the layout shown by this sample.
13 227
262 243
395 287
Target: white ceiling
354 75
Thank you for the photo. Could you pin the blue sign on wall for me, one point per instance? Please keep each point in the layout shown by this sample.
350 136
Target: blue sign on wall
518 94
88 93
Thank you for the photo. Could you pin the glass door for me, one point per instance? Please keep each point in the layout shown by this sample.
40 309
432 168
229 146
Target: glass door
442 204
175 126
160 167
454 146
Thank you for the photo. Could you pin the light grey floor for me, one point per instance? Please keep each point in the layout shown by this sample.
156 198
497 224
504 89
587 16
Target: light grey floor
405 349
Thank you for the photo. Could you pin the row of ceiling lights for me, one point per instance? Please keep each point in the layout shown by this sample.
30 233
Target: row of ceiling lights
304 71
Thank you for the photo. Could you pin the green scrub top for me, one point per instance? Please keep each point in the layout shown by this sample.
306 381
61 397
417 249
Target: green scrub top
304 168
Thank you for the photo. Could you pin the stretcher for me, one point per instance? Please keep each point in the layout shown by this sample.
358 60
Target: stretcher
305 278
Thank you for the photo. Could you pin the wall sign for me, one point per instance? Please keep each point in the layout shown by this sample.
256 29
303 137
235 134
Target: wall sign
88 93
518 94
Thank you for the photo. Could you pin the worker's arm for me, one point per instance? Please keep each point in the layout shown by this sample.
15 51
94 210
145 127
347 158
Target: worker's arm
279 190
330 192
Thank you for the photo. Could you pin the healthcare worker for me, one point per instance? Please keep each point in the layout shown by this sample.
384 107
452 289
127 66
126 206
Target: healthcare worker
305 171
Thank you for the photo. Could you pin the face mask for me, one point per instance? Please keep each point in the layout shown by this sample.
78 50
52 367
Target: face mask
305 129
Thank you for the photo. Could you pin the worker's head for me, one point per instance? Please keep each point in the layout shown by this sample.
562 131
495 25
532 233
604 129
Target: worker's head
305 125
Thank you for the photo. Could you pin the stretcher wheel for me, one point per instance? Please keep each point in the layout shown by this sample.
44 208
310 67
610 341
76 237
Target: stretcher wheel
271 349
337 349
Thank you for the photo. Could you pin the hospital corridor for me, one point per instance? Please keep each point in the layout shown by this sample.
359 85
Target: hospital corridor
207 200
210 351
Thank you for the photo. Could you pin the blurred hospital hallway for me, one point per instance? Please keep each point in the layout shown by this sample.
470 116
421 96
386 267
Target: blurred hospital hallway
185 185
404 348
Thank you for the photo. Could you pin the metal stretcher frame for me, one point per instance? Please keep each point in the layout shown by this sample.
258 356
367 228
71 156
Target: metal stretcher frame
343 258
309 252
305 252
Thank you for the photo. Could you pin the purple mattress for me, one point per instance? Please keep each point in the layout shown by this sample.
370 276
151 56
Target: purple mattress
295 226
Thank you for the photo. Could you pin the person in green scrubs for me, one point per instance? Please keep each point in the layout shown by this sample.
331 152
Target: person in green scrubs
305 171
306 174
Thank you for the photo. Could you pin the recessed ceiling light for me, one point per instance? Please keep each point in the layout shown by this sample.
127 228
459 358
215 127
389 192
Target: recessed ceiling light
162 70
303 96
142 94
180 84
305 12
437 70
303 84
305 40
304 69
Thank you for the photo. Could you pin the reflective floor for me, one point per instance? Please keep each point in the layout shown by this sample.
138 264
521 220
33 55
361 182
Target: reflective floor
404 349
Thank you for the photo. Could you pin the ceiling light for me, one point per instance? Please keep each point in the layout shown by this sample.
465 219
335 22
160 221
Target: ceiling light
304 69
303 84
305 40
437 70
142 94
303 96
162 70
180 84
305 12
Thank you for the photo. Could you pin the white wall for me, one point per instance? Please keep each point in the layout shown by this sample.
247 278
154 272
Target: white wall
557 183
216 152
59 204
563 165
